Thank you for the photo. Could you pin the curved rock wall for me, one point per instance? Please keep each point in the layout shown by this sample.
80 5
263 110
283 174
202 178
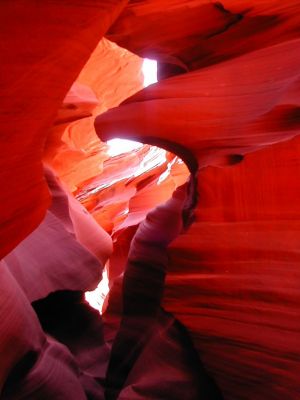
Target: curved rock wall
208 305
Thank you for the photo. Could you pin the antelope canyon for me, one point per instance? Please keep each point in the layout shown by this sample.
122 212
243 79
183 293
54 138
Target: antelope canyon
150 200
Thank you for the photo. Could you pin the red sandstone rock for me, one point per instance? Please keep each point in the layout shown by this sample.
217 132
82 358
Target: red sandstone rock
40 61
232 280
238 284
228 29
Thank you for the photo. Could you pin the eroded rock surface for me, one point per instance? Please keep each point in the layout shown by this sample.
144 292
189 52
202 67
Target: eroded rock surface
204 299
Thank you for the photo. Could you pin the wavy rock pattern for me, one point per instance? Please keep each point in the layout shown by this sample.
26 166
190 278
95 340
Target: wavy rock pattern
28 77
232 276
213 272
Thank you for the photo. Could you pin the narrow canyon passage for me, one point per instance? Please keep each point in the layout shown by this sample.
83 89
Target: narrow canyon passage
165 267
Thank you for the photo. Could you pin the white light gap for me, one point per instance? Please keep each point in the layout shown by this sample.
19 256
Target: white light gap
119 146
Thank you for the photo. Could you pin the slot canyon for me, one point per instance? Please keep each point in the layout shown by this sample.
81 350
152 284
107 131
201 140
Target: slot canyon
150 200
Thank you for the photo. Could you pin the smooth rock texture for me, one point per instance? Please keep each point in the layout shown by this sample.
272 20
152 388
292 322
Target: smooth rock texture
203 270
40 61
67 251
147 335
233 275
32 365
228 29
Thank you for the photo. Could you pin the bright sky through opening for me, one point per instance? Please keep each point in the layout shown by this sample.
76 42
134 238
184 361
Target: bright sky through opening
115 147
120 146
150 71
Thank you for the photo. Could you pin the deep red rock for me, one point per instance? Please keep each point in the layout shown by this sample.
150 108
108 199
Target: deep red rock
40 61
230 110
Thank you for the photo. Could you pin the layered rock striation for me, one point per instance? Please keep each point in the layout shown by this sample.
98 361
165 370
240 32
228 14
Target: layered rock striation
203 269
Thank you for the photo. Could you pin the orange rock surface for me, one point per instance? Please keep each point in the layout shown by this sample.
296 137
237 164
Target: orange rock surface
204 270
